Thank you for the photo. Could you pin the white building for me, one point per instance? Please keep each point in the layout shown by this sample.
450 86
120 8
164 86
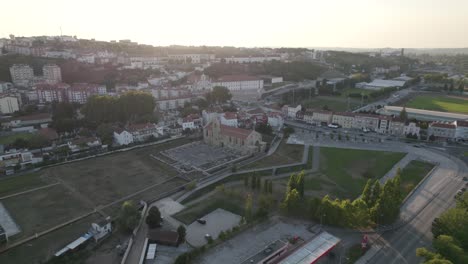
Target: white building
229 119
8 104
142 132
250 59
442 129
123 137
462 129
411 129
52 73
291 111
275 119
379 84
210 114
21 74
86 58
240 85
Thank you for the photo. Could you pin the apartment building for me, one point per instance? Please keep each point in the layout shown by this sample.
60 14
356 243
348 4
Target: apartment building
21 74
343 119
8 104
52 73
241 84
442 129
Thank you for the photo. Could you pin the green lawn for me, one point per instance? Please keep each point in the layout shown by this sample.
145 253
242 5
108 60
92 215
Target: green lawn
193 212
285 154
440 103
15 184
5 140
412 174
350 168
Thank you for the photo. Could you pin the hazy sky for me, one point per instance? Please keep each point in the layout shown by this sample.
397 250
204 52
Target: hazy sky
295 23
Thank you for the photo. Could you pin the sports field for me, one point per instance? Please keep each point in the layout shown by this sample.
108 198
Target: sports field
440 103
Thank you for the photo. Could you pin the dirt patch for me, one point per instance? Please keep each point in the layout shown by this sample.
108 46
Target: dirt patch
360 167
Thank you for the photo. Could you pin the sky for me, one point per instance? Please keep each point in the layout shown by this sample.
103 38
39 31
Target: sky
247 23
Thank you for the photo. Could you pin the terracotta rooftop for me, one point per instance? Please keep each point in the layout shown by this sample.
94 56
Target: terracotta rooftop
230 115
231 131
462 123
345 114
443 125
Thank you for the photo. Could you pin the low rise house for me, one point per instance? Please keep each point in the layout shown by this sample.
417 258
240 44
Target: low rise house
396 127
101 229
384 124
192 121
291 111
143 131
229 119
322 117
462 129
84 143
31 120
122 137
365 121
275 119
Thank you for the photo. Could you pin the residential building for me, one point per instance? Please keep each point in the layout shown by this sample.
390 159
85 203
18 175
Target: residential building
86 58
275 119
47 93
81 92
172 103
101 229
200 83
242 140
462 129
229 119
396 127
8 104
411 129
442 130
84 143
192 121
52 73
21 74
17 157
30 120
291 111
5 86
322 117
143 131
122 137
343 119
365 121
384 124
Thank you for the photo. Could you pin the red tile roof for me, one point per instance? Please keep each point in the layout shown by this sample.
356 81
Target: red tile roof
231 131
462 123
141 126
48 133
443 125
344 114
230 115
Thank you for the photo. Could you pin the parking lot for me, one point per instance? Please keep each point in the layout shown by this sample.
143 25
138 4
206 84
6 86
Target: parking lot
216 221
200 155
249 243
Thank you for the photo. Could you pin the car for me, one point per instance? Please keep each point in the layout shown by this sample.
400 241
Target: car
201 221
208 237
465 178
463 189
459 193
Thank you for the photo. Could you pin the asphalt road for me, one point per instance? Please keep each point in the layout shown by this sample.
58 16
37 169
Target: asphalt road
431 199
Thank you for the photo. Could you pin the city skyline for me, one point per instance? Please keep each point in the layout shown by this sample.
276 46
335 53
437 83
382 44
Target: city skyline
336 23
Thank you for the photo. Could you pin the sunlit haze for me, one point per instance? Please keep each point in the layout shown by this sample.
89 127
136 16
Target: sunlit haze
305 23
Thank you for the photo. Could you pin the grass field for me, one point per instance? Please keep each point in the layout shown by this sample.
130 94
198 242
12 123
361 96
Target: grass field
39 250
285 154
5 140
348 168
15 184
412 174
440 103
333 103
37 211
193 212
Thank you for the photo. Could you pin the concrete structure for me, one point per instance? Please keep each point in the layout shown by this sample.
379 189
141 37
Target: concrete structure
52 73
21 74
8 104
442 130
379 84
422 115
242 140
47 93
229 119
411 129
396 127
364 121
313 250
319 117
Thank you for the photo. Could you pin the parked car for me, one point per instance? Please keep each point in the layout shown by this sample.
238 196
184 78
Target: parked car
208 237
201 221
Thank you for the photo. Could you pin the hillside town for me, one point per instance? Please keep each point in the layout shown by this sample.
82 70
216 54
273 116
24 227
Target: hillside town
175 154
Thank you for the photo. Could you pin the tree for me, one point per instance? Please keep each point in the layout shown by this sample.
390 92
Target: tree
105 133
182 232
218 95
264 205
20 143
153 219
265 186
292 182
461 87
450 249
300 183
259 183
246 182
128 217
253 183
431 257
404 114
264 128
291 202
270 187
367 193
248 208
